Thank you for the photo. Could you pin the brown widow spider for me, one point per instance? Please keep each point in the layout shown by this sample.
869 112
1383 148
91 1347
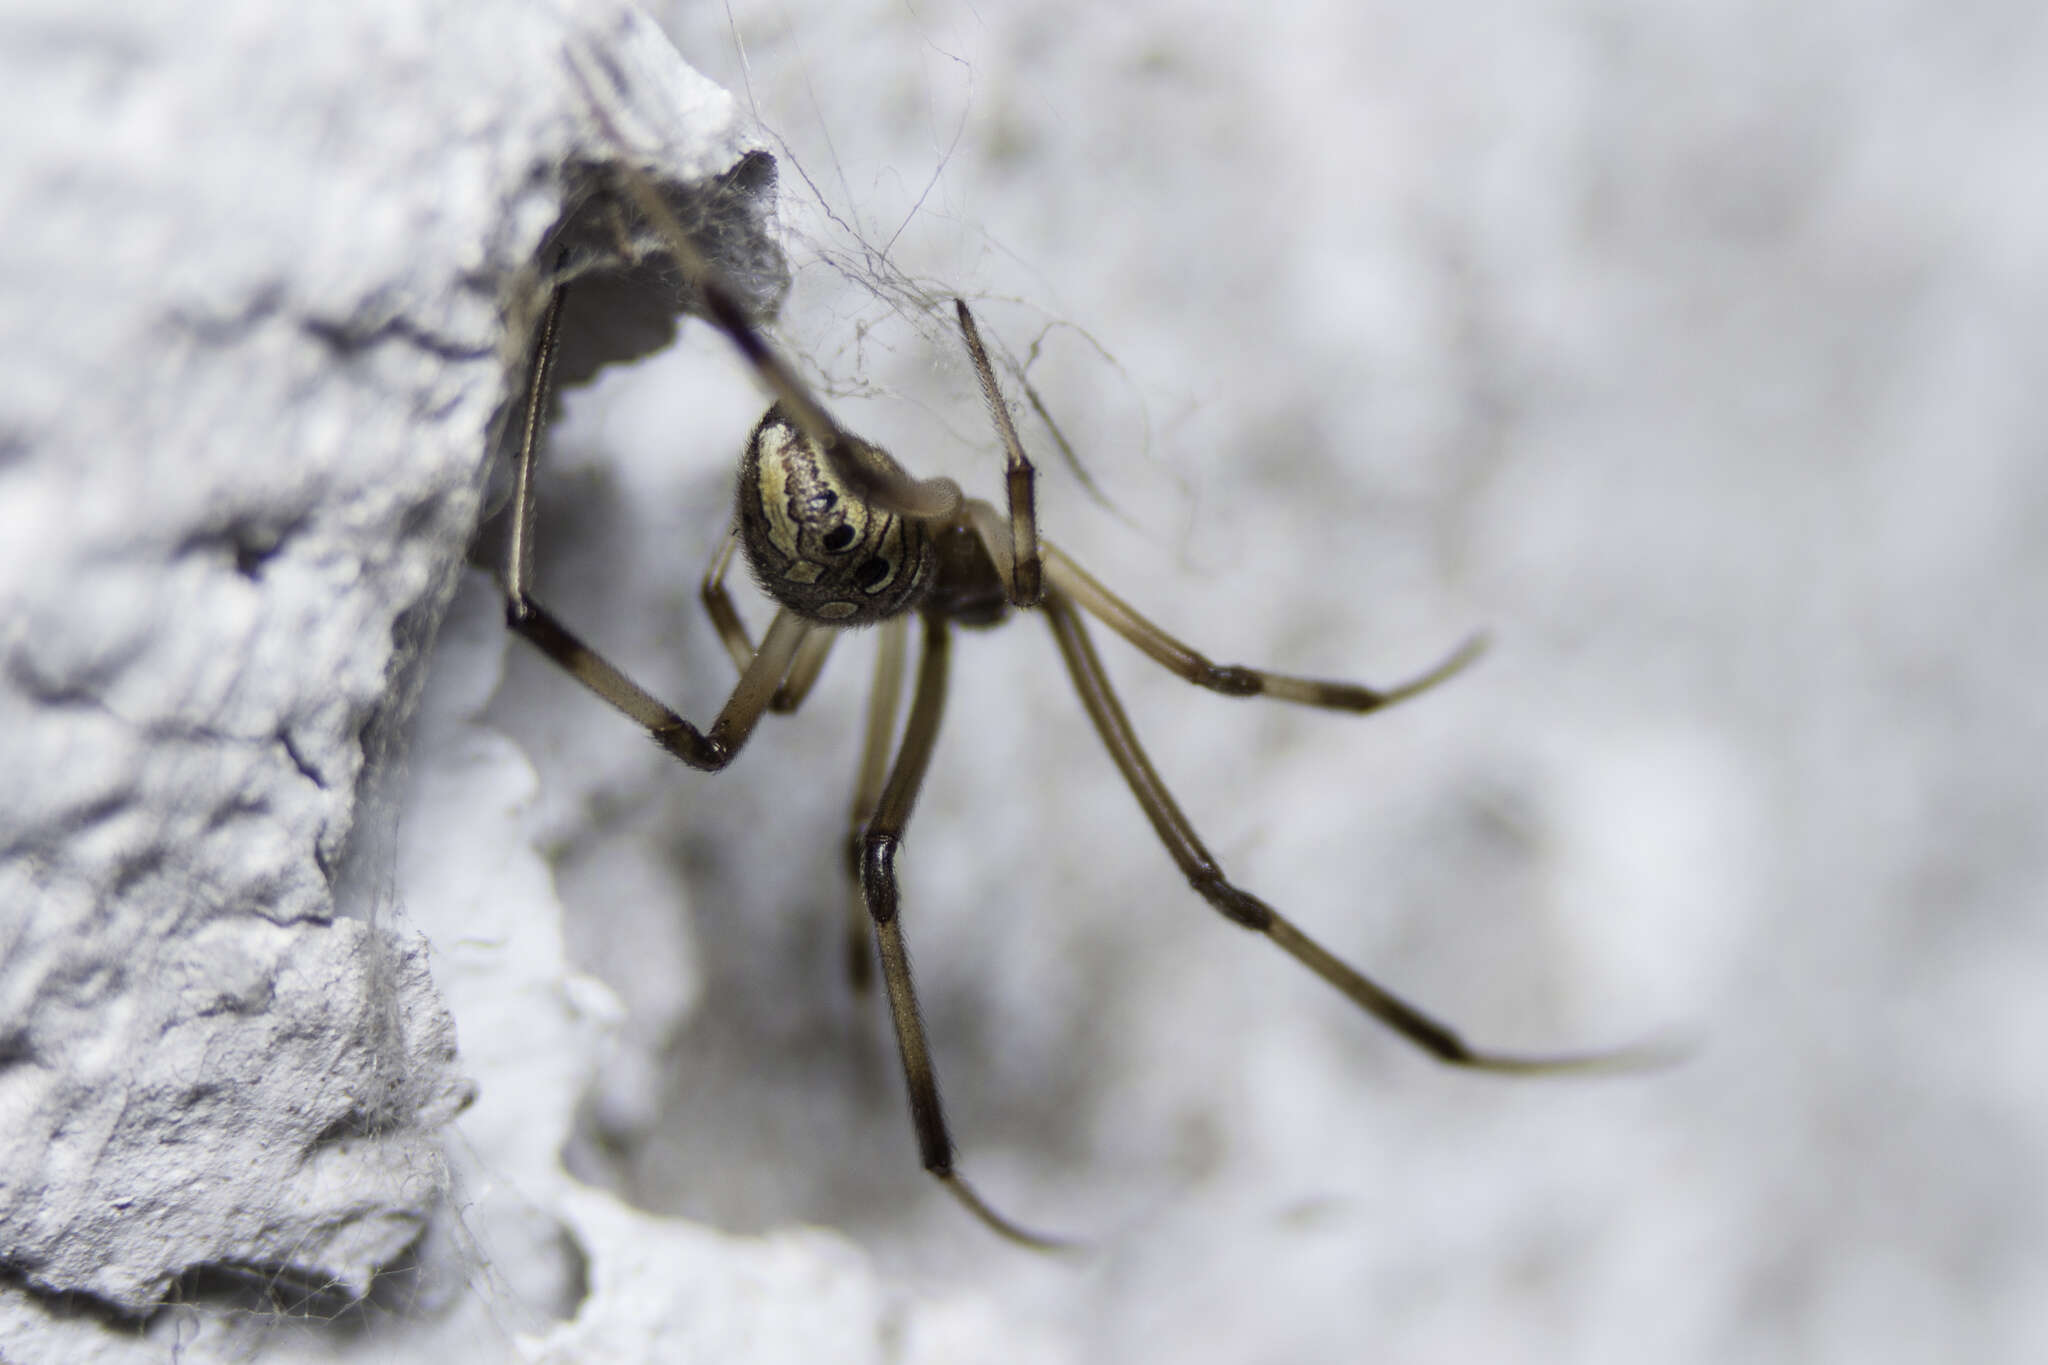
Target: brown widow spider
841 537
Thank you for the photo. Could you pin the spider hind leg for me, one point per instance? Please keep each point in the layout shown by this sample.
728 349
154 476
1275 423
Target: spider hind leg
879 843
1243 908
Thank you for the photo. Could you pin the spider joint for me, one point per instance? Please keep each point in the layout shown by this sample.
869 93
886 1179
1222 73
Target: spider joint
878 875
708 753
1238 906
1027 585
1232 680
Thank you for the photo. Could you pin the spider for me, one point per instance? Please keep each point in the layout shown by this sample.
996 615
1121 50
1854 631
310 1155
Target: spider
842 537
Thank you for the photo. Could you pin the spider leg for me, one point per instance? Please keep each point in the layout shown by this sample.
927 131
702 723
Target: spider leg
1239 906
718 604
804 670
883 699
759 679
1019 477
895 491
1233 680
884 834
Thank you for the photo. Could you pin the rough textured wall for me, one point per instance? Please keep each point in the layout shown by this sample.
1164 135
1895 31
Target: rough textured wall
267 285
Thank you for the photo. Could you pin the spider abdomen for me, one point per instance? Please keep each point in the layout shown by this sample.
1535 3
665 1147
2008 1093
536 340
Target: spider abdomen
815 545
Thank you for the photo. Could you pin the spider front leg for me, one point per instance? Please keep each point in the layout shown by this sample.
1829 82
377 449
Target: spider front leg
891 489
878 845
1241 907
1020 478
760 679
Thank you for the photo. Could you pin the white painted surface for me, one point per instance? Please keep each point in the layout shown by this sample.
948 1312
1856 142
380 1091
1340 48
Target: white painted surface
1693 351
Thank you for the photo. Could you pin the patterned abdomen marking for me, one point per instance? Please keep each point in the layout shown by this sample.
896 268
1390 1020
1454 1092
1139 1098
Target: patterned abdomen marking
814 546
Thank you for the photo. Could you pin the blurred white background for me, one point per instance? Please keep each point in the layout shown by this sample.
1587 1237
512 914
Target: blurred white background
1696 352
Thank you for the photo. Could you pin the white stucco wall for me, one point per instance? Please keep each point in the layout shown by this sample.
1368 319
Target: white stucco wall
1691 351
